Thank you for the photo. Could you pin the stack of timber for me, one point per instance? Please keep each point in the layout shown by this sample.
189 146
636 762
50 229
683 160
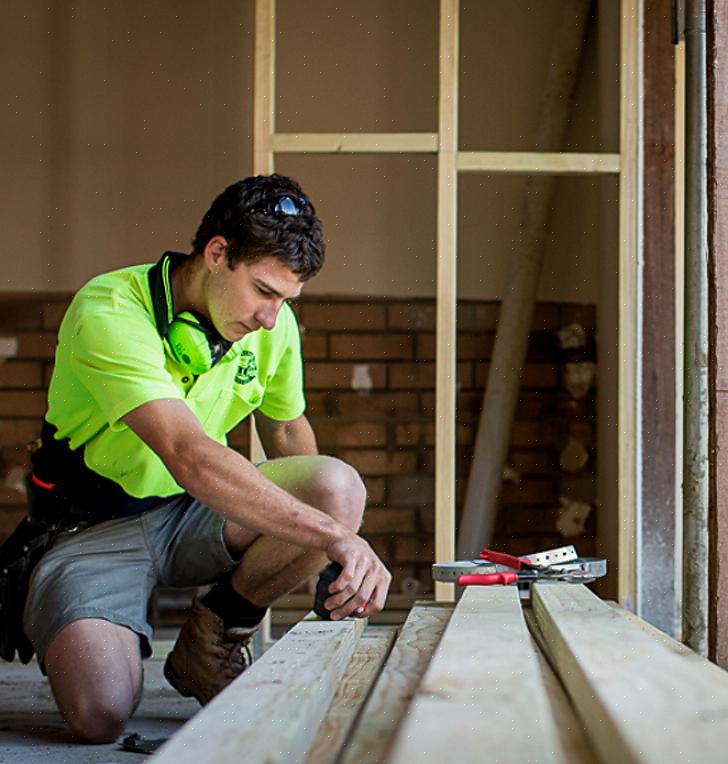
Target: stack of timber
570 679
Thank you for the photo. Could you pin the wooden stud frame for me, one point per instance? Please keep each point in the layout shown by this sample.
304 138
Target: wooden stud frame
629 370
266 142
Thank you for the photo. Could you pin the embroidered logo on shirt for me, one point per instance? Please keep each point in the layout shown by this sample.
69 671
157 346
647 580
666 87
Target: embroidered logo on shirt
247 369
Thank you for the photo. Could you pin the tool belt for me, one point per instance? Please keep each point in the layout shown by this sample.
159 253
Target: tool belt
49 513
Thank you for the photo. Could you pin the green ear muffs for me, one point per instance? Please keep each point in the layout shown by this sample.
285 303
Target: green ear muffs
195 343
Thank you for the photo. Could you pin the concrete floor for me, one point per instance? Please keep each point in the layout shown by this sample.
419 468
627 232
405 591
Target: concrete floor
31 729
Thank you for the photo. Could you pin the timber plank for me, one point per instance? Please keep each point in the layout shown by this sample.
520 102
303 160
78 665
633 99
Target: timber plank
482 698
397 683
574 739
642 699
271 713
366 663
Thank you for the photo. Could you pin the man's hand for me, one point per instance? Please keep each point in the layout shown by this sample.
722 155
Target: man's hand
362 587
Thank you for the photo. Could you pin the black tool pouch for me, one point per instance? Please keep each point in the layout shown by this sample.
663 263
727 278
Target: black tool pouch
48 514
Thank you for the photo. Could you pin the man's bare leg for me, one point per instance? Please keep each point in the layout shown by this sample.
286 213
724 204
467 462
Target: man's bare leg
213 646
271 568
95 671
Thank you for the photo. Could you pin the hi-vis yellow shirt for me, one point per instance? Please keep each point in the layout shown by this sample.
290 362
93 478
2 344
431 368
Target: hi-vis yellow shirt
112 357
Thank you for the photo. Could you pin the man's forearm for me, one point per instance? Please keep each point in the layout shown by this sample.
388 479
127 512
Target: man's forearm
292 438
230 485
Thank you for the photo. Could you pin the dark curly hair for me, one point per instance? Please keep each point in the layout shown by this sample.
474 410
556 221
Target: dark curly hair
251 233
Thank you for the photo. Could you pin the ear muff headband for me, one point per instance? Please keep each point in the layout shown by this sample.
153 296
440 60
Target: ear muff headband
194 343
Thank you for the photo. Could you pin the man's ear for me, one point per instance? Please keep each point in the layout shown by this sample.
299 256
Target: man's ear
215 251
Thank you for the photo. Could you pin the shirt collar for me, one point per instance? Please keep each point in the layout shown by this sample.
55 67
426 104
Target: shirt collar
160 288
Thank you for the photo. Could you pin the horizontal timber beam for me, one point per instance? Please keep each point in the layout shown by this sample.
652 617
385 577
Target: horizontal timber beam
556 163
354 143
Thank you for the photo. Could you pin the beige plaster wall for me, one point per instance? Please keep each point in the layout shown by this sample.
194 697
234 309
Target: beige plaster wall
124 119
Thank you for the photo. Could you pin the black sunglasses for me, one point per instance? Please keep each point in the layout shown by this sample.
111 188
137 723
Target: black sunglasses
283 204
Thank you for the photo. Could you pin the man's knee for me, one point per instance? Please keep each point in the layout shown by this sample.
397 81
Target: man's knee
98 719
95 672
341 492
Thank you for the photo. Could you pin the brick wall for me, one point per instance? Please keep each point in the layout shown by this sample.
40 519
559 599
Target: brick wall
370 372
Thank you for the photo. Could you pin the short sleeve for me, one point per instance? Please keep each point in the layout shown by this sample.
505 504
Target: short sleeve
284 399
119 358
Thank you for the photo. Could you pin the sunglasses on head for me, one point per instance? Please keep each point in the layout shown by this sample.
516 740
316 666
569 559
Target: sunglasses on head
283 204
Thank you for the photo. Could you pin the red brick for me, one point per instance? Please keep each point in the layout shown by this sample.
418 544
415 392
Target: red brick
546 316
414 549
412 375
330 433
380 462
343 316
531 491
33 344
18 432
23 404
534 375
21 313
416 376
391 521
586 315
485 317
532 433
533 462
314 345
580 487
402 575
413 315
376 489
48 368
365 405
53 313
521 545
527 520
411 490
470 346
426 519
371 346
583 432
423 434
463 460
21 374
240 436
321 375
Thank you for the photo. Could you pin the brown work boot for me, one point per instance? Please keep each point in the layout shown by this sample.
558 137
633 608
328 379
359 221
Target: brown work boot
206 656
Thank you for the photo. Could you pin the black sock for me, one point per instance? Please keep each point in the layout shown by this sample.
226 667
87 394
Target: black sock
234 609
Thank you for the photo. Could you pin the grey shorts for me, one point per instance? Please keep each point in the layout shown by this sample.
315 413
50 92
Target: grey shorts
109 570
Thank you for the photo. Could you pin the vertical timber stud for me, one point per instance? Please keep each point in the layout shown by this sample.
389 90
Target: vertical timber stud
263 124
630 204
264 110
447 204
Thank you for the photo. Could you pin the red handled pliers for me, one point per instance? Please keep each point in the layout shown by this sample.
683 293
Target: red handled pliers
529 570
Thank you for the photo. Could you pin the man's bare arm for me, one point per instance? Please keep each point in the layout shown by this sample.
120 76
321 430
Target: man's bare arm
230 485
289 438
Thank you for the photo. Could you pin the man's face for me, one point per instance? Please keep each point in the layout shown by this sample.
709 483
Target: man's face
249 298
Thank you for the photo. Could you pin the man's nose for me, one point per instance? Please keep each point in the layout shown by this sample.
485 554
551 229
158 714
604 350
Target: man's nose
268 314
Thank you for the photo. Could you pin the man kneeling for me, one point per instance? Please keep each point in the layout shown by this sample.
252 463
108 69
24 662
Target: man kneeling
155 365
